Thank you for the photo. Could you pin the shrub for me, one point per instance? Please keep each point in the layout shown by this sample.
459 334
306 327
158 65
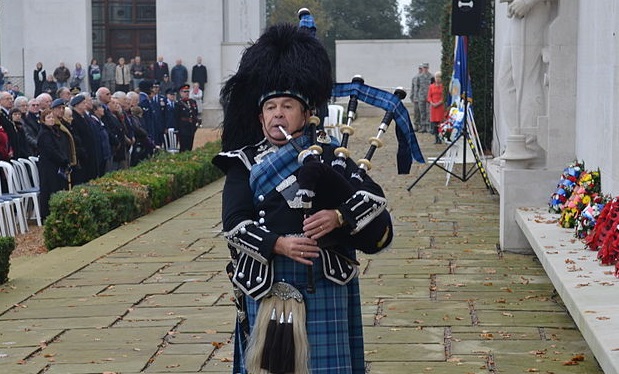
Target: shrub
77 217
89 211
7 245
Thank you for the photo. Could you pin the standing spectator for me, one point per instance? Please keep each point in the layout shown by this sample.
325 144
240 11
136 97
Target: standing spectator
94 75
64 93
54 160
62 75
138 71
160 68
79 75
415 98
17 118
16 91
6 153
424 106
437 105
39 76
146 104
50 87
6 104
199 74
170 109
87 161
45 101
21 103
32 127
97 113
179 74
144 147
159 101
109 75
3 74
119 160
197 94
123 76
165 84
187 119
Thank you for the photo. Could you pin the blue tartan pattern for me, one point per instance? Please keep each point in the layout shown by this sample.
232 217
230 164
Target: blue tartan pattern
334 326
275 167
387 101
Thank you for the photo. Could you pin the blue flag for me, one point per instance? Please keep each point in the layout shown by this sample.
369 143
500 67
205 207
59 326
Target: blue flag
460 86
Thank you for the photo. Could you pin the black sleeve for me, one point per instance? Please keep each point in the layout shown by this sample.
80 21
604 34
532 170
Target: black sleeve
238 205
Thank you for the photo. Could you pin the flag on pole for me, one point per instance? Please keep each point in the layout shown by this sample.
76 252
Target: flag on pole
460 87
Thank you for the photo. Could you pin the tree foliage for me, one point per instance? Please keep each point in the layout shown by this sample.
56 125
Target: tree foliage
342 19
286 11
423 18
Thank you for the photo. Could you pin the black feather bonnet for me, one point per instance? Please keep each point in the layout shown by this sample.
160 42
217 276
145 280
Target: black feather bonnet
284 61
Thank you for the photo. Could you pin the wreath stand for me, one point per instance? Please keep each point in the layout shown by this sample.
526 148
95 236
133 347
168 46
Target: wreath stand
467 140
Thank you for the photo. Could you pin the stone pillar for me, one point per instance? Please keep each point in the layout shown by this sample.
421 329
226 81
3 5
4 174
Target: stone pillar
539 147
208 29
47 32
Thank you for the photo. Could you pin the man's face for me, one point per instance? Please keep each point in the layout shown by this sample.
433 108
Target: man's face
6 100
45 101
58 112
184 93
284 112
33 106
88 103
105 96
23 106
65 95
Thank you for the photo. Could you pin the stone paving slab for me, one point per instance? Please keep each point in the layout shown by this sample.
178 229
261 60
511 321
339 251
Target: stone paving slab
152 296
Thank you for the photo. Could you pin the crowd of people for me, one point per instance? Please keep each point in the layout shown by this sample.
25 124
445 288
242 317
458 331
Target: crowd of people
79 135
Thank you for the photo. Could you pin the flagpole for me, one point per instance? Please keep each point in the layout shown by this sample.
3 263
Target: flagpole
464 134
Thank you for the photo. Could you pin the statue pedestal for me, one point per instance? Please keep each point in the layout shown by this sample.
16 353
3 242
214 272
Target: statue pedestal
521 188
516 155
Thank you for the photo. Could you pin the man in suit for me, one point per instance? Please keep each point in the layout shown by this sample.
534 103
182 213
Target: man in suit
6 104
199 74
160 68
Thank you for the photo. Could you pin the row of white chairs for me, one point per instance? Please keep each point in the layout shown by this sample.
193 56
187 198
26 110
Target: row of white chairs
19 198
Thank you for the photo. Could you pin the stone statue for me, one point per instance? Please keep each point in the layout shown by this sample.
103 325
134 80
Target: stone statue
522 97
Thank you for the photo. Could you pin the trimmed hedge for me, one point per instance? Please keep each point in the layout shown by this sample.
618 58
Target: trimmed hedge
91 210
7 245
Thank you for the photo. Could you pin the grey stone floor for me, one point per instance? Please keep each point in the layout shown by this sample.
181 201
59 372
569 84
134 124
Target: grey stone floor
153 296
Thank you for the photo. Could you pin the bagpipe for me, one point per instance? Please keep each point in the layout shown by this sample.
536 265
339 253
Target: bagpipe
332 185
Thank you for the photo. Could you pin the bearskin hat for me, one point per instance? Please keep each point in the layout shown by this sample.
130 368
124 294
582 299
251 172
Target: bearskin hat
284 61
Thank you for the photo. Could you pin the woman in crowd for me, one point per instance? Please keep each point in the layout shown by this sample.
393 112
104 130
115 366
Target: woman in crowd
40 76
94 75
53 160
437 105
79 75
197 94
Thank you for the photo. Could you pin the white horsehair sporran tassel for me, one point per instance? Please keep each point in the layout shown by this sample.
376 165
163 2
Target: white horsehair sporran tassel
278 342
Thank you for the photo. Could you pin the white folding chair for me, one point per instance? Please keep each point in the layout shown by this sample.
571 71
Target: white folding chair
7 218
16 200
24 186
170 141
332 126
33 172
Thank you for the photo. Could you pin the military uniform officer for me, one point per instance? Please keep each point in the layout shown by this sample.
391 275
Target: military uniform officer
422 97
187 120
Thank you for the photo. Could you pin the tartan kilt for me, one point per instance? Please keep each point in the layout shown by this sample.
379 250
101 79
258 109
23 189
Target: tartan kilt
334 325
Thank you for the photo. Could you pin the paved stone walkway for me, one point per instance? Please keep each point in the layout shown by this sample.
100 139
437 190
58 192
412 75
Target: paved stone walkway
153 296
